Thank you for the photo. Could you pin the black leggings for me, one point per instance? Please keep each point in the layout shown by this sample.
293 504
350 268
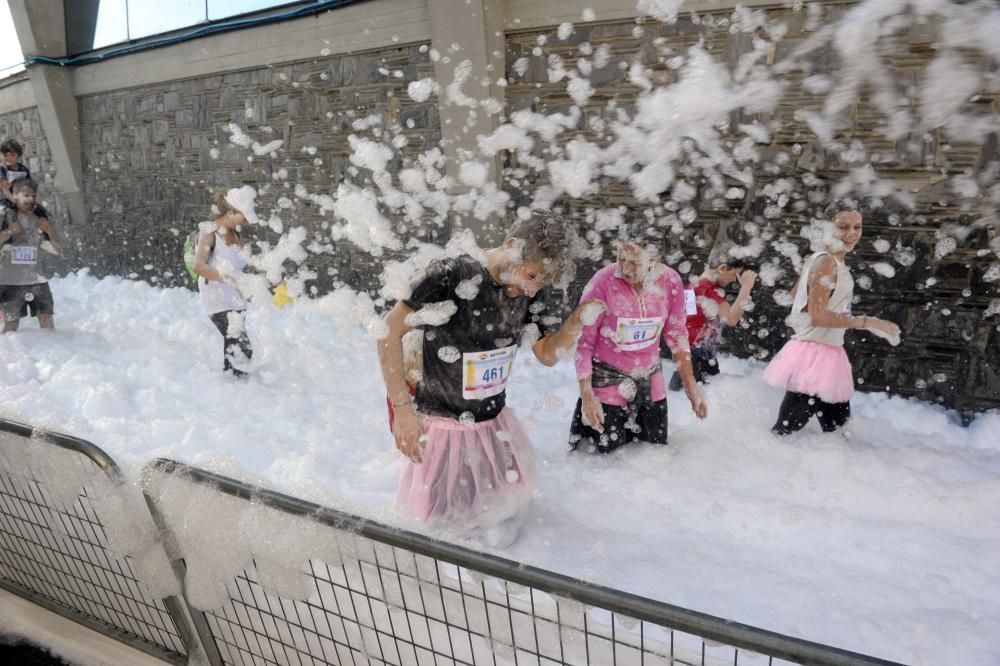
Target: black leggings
704 364
798 408
236 349
622 425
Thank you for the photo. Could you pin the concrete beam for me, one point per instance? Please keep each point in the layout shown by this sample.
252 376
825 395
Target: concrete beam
16 94
356 28
469 39
41 29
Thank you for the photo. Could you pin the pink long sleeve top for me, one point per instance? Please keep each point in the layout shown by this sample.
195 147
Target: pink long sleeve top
627 336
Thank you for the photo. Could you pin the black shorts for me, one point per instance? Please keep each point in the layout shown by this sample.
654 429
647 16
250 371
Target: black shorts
26 300
622 425
704 364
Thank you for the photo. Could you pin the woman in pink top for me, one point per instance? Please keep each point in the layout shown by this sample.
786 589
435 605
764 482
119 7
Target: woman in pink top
622 393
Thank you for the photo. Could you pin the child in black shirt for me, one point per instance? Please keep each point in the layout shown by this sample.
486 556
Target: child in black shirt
469 463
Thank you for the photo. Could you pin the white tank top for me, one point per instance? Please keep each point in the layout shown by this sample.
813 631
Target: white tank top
840 302
219 296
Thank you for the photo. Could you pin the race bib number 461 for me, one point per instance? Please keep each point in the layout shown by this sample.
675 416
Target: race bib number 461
24 254
485 374
638 333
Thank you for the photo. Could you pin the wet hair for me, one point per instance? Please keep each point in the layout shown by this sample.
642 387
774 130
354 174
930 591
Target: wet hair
839 206
22 183
638 229
11 146
547 237
220 206
634 229
722 254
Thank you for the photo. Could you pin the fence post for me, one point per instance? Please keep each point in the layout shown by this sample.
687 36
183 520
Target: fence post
66 571
195 617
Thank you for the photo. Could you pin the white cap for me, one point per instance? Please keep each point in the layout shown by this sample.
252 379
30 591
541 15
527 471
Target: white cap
242 199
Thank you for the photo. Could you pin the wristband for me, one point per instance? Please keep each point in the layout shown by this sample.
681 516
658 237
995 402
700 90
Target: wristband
407 401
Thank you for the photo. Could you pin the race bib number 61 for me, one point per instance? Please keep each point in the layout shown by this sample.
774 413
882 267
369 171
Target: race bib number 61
638 333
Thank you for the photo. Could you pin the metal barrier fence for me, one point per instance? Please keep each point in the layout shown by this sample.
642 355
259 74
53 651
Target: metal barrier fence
54 542
366 593
379 595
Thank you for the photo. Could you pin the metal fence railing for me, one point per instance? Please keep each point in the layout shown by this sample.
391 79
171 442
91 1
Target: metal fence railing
212 570
380 595
55 496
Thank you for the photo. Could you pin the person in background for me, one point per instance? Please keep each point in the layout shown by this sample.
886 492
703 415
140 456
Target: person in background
220 257
12 170
708 310
622 395
812 367
24 286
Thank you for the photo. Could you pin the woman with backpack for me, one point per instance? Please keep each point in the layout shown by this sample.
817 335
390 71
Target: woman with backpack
219 260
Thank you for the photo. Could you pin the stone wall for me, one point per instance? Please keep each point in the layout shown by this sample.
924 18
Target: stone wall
153 155
951 349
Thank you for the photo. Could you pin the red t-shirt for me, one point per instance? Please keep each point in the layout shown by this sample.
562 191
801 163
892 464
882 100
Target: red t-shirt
703 329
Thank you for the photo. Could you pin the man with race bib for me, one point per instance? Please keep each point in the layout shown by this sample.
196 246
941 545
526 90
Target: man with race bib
469 463
622 393
24 289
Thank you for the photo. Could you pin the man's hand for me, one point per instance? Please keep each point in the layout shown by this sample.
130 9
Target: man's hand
747 280
592 411
408 431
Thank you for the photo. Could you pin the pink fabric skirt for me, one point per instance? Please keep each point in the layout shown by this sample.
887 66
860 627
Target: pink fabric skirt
813 368
473 476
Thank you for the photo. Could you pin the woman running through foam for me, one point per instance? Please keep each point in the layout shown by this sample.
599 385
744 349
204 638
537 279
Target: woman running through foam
219 261
813 367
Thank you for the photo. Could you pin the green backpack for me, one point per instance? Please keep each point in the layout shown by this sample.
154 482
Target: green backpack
190 244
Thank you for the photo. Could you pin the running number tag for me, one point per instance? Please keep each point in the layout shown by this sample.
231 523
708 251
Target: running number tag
486 373
690 303
24 254
635 334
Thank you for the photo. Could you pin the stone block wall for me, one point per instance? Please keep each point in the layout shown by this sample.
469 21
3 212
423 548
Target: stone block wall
153 155
941 301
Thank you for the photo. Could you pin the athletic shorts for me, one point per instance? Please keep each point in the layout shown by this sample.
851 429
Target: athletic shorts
20 301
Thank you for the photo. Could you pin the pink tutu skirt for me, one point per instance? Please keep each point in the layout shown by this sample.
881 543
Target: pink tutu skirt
473 476
813 368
